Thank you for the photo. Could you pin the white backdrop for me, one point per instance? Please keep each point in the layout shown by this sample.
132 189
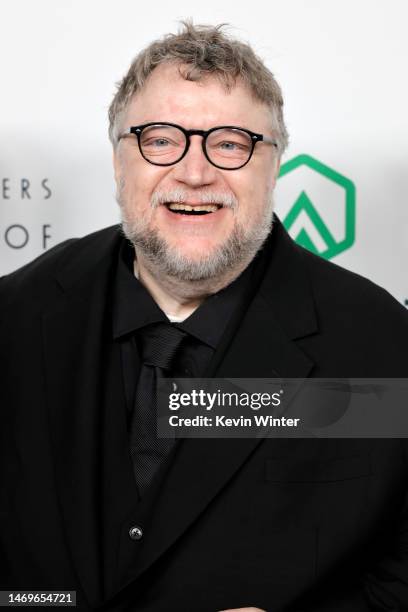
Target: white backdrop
342 68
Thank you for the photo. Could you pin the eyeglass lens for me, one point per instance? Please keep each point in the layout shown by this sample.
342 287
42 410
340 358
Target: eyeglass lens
164 144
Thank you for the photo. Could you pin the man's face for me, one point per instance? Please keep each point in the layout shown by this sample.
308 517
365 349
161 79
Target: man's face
190 246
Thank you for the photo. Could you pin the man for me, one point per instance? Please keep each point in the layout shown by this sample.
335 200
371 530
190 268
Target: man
207 283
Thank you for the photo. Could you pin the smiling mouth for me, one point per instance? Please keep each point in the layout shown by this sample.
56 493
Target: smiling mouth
186 209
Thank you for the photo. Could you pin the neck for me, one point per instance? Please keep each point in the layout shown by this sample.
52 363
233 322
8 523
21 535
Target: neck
176 297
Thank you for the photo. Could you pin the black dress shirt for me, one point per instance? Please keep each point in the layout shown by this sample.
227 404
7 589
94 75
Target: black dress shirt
134 308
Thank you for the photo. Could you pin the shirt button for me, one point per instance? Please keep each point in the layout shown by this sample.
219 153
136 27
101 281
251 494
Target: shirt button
135 533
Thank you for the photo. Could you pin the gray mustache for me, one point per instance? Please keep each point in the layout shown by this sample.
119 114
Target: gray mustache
180 196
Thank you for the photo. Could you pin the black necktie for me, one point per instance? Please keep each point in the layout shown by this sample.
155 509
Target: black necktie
159 344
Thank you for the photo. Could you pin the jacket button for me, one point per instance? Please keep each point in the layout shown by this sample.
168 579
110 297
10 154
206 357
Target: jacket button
135 533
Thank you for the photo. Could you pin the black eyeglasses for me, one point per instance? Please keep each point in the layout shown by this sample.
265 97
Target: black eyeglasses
227 147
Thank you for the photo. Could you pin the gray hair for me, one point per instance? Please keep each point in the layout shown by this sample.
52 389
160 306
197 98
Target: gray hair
202 51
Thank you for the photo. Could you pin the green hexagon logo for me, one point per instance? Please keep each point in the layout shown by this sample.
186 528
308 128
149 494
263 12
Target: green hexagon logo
315 235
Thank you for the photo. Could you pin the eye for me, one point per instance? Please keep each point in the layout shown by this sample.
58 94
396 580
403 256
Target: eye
156 142
229 146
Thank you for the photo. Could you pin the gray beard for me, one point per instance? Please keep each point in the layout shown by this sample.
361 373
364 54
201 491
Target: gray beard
234 255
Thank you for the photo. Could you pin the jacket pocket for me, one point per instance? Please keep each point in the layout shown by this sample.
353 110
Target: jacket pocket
345 468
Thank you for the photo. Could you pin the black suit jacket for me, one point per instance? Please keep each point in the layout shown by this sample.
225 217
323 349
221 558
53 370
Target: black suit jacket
281 524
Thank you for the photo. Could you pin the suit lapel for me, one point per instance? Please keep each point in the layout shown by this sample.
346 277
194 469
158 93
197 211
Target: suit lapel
84 388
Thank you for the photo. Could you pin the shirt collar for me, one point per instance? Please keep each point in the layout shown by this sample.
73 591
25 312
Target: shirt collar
210 320
134 307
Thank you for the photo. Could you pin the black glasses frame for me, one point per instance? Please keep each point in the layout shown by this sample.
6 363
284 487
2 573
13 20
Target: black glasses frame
138 129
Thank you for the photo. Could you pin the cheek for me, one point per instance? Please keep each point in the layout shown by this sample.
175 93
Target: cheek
252 193
140 181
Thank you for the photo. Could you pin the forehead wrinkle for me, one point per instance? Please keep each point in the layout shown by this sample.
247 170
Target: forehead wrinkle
168 97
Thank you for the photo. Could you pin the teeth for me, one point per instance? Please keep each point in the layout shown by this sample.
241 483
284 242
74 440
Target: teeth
206 208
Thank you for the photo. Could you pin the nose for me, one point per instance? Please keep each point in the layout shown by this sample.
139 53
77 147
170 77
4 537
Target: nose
194 169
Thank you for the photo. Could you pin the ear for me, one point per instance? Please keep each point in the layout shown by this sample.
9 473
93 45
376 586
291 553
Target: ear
117 166
277 169
275 173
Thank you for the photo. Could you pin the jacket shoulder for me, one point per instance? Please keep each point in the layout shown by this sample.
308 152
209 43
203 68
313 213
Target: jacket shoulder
350 292
364 329
38 275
